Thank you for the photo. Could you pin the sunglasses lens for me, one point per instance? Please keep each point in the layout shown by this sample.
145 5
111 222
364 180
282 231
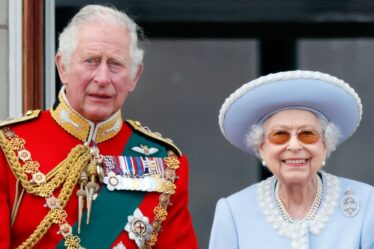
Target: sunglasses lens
279 137
308 136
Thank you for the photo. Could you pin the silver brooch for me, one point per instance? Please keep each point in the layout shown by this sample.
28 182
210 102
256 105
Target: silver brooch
349 205
138 228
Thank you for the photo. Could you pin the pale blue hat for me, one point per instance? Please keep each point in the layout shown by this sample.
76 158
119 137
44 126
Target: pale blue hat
327 96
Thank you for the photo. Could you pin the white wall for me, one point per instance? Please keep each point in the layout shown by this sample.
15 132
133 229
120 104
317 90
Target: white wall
4 59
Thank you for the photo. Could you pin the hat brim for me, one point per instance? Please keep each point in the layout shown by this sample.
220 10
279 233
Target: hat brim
320 93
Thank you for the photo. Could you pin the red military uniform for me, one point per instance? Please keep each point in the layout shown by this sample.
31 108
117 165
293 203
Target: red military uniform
136 216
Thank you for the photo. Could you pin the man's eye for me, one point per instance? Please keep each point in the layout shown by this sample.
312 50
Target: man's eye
115 63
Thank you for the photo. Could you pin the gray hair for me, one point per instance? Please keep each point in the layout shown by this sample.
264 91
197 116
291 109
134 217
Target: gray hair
91 13
330 133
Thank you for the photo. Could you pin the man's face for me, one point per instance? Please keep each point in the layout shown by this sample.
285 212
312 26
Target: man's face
99 79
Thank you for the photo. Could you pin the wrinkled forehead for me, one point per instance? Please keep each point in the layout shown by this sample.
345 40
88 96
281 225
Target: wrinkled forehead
100 38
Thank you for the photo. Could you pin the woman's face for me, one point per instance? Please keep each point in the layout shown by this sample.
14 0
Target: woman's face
294 161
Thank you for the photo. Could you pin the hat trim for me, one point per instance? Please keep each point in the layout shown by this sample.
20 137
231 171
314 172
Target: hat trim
289 75
319 114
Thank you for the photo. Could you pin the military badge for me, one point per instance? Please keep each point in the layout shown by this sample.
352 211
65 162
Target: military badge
143 149
138 228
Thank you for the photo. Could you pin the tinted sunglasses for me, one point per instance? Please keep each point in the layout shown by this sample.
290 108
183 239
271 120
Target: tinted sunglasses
305 136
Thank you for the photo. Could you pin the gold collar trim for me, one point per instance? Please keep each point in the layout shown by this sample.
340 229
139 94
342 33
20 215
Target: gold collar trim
82 128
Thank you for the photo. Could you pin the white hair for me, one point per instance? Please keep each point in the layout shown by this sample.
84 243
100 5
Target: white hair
330 134
92 13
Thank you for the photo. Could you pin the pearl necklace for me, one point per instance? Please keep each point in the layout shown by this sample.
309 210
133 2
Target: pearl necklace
298 232
313 209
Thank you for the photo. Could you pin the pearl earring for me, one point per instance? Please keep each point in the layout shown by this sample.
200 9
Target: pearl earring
323 163
264 163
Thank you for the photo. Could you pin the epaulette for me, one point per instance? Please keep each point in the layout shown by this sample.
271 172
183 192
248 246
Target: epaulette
29 115
154 135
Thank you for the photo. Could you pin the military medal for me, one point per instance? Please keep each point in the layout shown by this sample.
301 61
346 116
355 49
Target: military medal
113 181
138 228
137 173
350 204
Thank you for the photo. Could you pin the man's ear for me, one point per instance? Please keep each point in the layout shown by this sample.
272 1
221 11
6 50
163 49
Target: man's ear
136 77
62 71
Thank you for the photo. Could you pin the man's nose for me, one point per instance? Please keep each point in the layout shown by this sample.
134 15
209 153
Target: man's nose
102 76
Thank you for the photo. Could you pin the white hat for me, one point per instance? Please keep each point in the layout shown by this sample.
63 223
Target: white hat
255 101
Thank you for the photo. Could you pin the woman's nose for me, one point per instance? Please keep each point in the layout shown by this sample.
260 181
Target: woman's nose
294 143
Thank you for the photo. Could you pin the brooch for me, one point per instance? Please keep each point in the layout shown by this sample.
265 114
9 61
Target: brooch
138 227
349 205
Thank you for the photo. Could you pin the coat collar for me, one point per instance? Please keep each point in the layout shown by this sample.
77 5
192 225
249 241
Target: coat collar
82 128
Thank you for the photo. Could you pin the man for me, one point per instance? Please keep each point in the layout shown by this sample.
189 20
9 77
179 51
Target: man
78 176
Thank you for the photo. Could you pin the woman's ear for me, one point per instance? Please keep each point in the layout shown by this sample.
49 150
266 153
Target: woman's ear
261 150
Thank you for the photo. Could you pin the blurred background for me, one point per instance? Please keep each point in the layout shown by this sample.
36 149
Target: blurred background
198 52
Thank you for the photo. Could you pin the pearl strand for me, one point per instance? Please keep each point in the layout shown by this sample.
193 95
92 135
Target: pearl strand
313 209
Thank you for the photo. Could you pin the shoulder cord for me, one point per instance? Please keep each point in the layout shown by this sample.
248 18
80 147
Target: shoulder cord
54 179
67 172
53 216
17 202
18 198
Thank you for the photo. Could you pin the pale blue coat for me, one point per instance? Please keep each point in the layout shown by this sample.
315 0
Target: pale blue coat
239 223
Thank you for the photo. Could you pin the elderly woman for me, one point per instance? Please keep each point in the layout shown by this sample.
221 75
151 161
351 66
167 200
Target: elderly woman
292 121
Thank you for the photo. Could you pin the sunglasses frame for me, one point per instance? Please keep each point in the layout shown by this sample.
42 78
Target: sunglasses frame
297 133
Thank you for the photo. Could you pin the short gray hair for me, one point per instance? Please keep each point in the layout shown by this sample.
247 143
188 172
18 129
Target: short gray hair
91 13
330 133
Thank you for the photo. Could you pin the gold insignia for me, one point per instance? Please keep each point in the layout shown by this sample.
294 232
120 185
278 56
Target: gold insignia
72 242
154 135
172 162
160 211
29 115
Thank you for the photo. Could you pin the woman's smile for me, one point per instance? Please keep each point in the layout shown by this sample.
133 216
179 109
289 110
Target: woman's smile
295 162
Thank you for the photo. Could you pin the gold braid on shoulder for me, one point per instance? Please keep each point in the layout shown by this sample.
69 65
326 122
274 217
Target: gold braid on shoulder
67 172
